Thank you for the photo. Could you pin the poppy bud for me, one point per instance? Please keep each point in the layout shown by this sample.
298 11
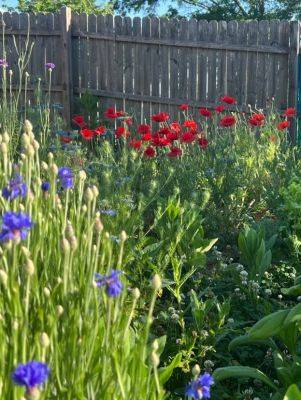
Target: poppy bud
25 140
69 230
25 251
136 293
54 169
36 145
44 340
59 310
196 370
73 243
29 267
65 245
23 156
15 325
123 236
50 156
156 282
46 292
21 207
84 208
89 195
28 127
82 175
95 191
155 345
5 137
3 148
98 225
10 72
3 277
155 359
44 165
30 151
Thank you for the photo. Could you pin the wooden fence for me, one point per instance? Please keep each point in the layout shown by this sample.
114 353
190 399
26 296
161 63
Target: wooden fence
152 64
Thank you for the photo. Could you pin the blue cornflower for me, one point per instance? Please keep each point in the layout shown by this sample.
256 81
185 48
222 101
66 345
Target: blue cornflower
110 213
112 282
66 179
45 186
200 388
16 187
14 226
31 375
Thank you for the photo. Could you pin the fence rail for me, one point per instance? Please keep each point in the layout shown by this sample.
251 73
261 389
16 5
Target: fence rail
146 65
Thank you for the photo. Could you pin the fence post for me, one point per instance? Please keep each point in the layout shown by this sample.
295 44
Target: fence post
293 75
66 49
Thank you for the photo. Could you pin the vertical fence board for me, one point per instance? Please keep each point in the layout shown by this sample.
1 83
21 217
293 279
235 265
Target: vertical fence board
155 64
252 63
137 65
146 32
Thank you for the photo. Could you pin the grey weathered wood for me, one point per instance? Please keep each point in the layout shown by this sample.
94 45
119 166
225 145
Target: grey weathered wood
118 72
146 32
242 64
164 63
262 70
155 64
174 68
138 73
293 72
202 62
65 56
252 64
233 88
282 86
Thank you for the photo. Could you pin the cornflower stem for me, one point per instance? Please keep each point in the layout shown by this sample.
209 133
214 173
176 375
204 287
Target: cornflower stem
148 323
157 380
26 306
130 317
66 209
66 272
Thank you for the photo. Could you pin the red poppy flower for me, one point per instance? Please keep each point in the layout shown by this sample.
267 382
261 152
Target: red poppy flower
160 141
128 121
188 137
163 131
283 125
184 107
175 127
100 130
228 100
290 112
87 134
205 112
110 113
79 121
65 139
228 121
120 113
121 131
190 124
257 119
174 152
172 135
146 137
135 144
220 108
149 152
144 128
203 143
160 117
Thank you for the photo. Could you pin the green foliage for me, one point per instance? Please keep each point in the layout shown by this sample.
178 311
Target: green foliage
80 6
255 252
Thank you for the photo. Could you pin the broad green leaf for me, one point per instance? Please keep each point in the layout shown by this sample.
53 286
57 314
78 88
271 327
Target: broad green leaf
166 372
285 376
292 291
242 372
293 316
293 393
206 246
269 325
246 340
